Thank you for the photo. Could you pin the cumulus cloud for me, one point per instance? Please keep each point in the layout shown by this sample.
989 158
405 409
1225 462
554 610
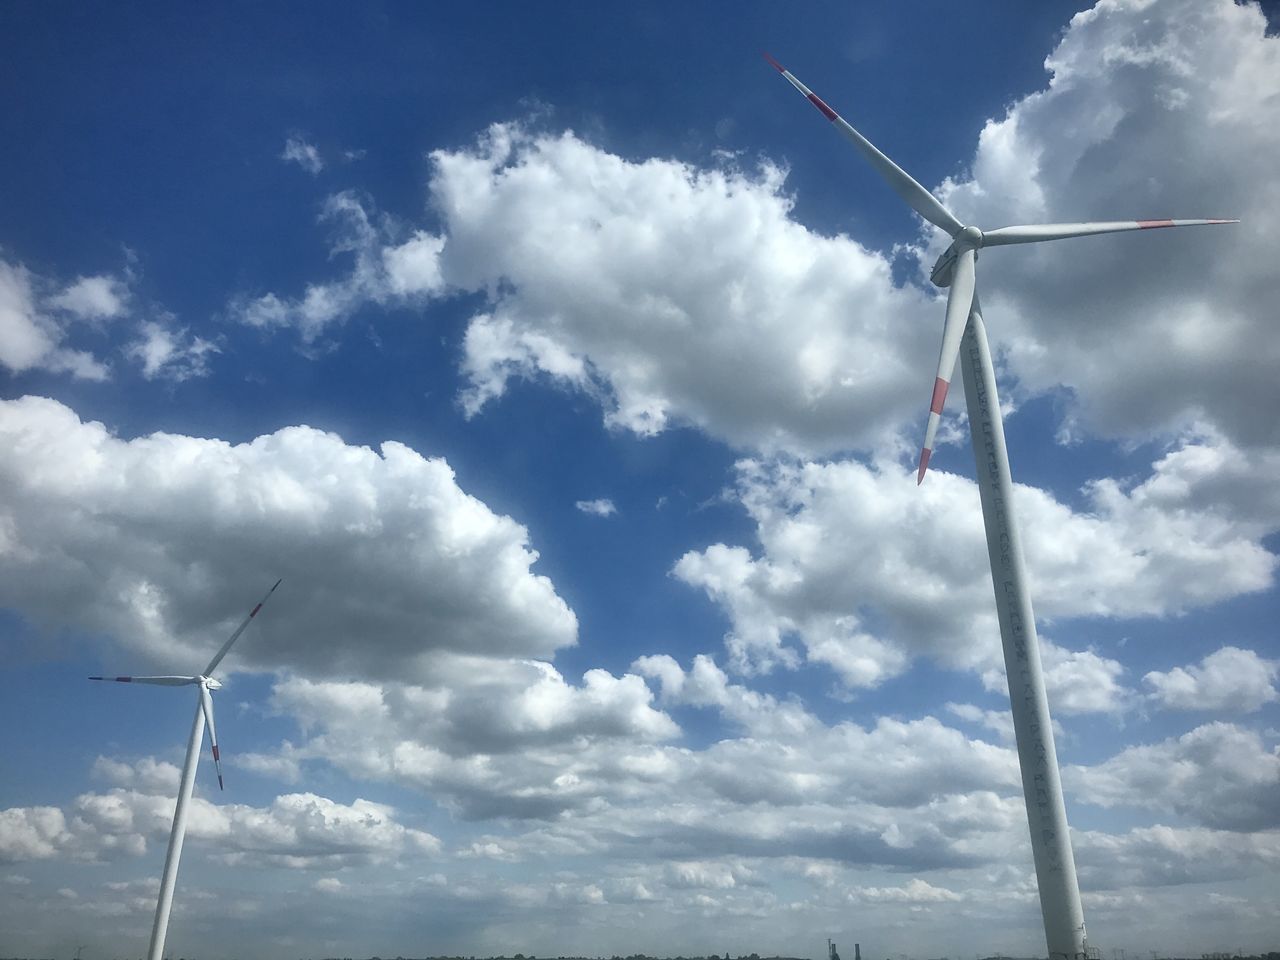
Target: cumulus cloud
389 565
999 722
1219 775
309 831
382 272
93 298
31 833
866 570
146 775
32 338
914 891
1230 679
672 290
706 685
603 507
597 762
298 830
38 320
1077 681
510 738
1145 105
569 244
1162 855
1152 110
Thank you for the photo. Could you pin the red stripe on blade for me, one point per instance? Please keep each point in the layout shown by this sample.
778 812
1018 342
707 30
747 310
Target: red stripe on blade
924 465
255 611
779 67
939 396
826 111
1152 224
124 679
215 751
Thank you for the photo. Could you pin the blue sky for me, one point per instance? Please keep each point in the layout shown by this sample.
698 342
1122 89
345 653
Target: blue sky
571 373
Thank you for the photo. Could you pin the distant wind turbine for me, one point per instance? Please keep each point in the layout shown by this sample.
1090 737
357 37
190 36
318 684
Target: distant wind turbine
204 714
1037 758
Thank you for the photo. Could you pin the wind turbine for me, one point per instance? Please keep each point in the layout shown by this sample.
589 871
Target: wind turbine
1037 758
204 683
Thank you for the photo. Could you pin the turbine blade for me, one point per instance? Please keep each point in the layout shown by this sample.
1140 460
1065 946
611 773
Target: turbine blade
917 197
208 671
160 681
206 704
959 303
1035 232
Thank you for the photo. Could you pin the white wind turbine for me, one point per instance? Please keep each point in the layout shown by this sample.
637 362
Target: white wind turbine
1037 758
204 714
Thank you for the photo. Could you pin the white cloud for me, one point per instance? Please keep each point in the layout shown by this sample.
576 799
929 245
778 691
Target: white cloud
914 891
998 721
35 328
161 352
844 545
160 540
704 875
298 830
598 508
1230 679
147 775
1219 775
382 272
1148 105
569 242
314 832
1163 855
706 685
298 150
499 739
92 298
32 339
31 833
572 242
1077 681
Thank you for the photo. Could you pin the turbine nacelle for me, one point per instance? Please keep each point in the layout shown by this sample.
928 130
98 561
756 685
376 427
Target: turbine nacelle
970 238
209 683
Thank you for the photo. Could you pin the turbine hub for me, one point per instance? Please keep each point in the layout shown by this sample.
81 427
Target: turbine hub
970 237
210 683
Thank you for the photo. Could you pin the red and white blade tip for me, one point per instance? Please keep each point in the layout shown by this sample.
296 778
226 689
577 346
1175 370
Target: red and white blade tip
936 403
925 454
253 613
774 63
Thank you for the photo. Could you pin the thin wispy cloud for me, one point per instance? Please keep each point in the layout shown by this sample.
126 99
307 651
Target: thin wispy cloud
306 155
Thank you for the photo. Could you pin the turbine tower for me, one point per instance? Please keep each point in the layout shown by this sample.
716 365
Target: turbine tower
1037 758
204 683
